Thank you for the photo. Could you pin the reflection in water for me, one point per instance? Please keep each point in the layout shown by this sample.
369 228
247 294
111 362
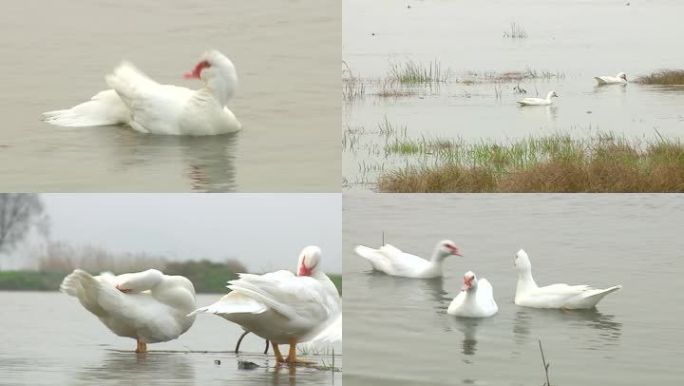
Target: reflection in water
610 89
134 368
582 322
435 288
417 291
208 161
468 326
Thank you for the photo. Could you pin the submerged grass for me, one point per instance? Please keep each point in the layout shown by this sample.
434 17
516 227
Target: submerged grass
604 163
663 77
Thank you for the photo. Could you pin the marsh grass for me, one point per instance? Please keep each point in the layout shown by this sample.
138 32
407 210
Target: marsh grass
663 77
391 88
473 77
604 163
515 31
353 86
414 73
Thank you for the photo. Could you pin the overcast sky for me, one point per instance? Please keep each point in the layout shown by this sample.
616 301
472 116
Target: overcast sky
264 231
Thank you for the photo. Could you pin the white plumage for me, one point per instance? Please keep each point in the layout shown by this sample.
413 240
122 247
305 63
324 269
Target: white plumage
538 101
565 296
147 306
476 299
283 307
393 261
620 78
149 107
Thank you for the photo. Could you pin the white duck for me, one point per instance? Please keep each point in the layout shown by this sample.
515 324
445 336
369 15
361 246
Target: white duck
280 306
476 299
147 306
394 262
528 294
538 101
620 78
150 107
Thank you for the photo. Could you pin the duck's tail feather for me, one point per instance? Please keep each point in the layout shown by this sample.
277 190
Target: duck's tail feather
103 109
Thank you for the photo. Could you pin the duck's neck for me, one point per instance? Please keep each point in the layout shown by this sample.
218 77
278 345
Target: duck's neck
525 281
548 96
220 89
470 298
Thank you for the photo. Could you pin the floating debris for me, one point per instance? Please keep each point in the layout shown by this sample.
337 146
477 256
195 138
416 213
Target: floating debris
217 362
247 365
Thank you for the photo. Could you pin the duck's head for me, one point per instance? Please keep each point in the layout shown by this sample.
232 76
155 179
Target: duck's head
308 262
522 261
622 75
217 72
139 281
447 248
469 281
553 94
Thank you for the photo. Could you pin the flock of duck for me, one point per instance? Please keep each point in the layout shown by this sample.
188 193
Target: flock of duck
619 79
476 299
282 307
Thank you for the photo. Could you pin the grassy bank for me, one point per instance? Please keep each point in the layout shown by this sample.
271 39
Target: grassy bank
663 77
559 163
213 281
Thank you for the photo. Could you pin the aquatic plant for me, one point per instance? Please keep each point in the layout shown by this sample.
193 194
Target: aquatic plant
412 72
352 85
515 31
545 364
391 88
559 163
663 77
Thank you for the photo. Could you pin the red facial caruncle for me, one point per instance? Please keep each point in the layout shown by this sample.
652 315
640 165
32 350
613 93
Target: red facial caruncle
195 74
467 282
304 270
453 249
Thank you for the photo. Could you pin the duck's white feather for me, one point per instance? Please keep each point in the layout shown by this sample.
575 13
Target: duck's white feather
155 314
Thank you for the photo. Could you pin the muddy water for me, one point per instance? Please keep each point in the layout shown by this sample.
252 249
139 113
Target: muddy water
567 44
56 54
632 338
49 339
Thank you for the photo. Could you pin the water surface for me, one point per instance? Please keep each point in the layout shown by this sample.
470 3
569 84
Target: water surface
49 338
56 54
397 330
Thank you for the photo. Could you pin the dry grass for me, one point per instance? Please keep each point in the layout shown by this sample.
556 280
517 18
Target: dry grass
551 164
663 77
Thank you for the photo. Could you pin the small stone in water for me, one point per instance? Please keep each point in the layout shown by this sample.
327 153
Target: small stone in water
247 365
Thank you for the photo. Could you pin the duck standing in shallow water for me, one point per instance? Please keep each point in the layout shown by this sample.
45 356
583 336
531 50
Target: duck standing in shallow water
282 307
147 306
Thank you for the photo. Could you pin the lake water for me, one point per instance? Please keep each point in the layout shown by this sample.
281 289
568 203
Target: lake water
49 339
572 41
397 331
56 54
